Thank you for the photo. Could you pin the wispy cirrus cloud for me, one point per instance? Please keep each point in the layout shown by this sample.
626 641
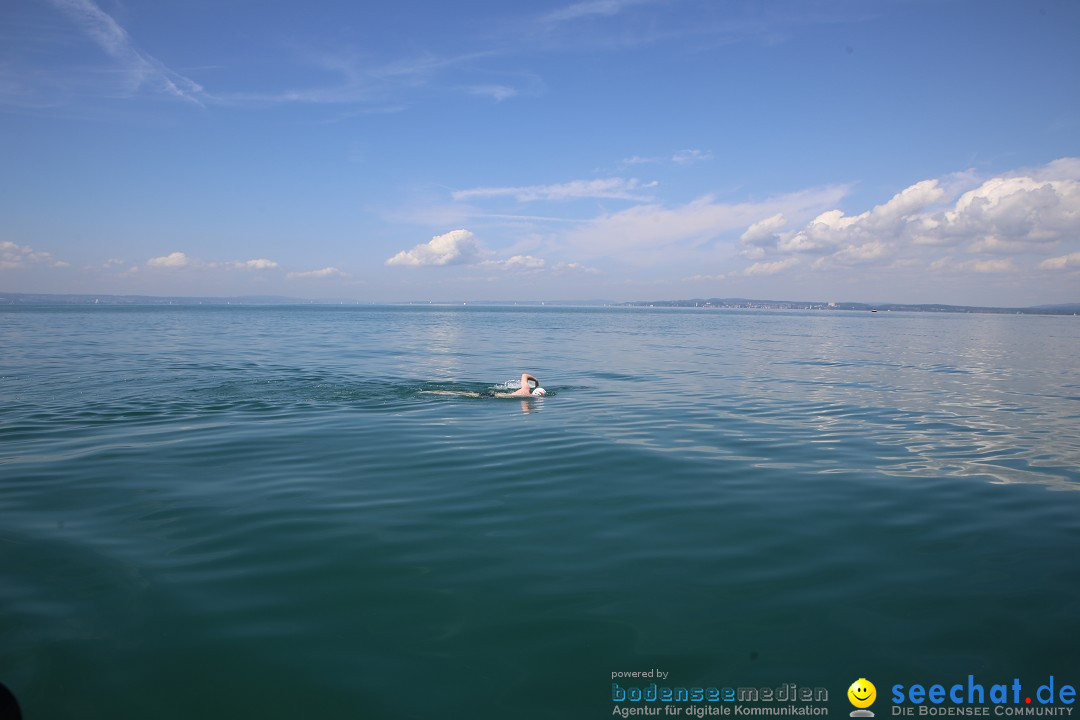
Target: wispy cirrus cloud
498 93
616 25
689 157
516 262
500 85
686 157
139 68
354 75
331 76
652 230
606 188
590 8
353 78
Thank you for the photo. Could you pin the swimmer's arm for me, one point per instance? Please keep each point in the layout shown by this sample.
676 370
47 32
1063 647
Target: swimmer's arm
525 389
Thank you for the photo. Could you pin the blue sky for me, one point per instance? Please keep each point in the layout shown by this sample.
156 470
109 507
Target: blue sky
899 151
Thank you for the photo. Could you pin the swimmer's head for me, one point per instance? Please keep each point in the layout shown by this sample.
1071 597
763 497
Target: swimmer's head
539 392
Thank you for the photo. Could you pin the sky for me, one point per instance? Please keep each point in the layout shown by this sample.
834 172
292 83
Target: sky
916 151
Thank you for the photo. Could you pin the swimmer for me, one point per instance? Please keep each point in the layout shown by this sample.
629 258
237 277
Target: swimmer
526 390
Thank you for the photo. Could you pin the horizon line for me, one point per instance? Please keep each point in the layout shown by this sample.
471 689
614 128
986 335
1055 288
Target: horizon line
97 298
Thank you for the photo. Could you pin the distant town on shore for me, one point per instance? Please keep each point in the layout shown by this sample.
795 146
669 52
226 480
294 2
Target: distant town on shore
703 303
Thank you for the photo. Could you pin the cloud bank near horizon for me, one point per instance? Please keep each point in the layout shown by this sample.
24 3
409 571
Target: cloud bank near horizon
1024 223
1026 220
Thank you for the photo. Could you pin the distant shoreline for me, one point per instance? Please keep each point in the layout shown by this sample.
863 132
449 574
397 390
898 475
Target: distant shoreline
701 303
745 303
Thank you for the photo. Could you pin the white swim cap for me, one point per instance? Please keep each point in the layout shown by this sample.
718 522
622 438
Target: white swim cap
539 392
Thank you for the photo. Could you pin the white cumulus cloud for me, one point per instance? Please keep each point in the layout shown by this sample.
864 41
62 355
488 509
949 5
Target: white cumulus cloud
172 260
13 256
763 232
1027 212
460 247
1008 211
255 264
833 230
457 247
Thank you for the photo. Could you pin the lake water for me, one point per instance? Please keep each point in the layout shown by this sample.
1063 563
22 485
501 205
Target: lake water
254 512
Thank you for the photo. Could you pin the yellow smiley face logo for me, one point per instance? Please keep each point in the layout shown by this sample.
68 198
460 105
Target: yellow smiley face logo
862 693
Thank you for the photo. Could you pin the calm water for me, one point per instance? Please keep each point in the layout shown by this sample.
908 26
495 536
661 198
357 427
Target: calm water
254 512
